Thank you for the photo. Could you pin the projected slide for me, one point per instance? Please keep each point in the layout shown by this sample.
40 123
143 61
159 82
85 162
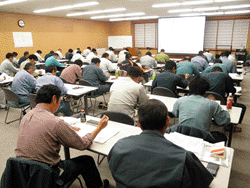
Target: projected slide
181 35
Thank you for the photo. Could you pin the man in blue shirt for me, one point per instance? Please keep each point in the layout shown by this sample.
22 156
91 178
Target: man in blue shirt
200 62
169 79
94 74
186 67
217 63
225 61
24 83
51 78
198 111
52 61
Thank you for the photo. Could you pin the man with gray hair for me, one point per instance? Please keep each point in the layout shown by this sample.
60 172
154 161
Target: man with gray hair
24 83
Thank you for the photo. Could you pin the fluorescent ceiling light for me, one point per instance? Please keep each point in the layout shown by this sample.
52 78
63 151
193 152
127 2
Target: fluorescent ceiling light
195 14
206 9
118 15
11 2
238 12
236 6
97 12
217 1
211 13
67 7
166 5
180 10
134 18
197 2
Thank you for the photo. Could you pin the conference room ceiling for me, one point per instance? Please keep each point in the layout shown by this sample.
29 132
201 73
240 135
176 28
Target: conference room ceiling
132 6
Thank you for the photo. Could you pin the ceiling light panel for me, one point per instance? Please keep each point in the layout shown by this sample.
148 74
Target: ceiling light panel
86 4
166 5
118 15
236 6
197 2
238 12
97 12
11 2
180 10
134 18
206 9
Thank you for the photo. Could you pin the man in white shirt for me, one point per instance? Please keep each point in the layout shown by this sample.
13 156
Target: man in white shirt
91 55
106 65
59 52
148 61
112 56
15 60
78 56
75 51
38 55
87 51
122 55
7 66
125 93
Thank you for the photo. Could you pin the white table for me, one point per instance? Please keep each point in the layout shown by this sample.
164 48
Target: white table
9 79
40 70
78 90
236 77
62 60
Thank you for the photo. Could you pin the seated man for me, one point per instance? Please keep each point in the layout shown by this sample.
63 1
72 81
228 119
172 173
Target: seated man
94 74
148 61
59 52
51 78
48 55
73 72
32 59
186 67
106 65
7 66
200 62
38 54
150 160
169 79
87 51
220 82
69 54
122 55
112 56
225 61
41 135
162 57
52 61
126 93
24 58
198 111
209 56
217 63
78 56
15 60
129 63
91 55
24 83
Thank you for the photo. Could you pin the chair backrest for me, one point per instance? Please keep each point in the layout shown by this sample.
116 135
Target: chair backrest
85 63
163 92
192 131
32 100
85 83
216 96
26 173
10 96
119 117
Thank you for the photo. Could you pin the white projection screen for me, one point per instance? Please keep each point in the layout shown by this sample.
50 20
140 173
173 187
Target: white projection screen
181 35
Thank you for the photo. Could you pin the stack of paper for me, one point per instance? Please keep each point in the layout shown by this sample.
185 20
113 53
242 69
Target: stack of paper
70 120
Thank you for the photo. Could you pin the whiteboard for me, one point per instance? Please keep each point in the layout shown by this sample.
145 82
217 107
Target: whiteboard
120 41
22 39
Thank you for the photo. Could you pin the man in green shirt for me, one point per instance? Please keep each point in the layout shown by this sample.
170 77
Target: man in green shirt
162 57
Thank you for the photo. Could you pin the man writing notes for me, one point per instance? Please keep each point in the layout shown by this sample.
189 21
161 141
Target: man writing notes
7 66
150 160
209 56
24 83
51 78
198 111
112 56
126 93
162 57
225 61
73 72
169 79
87 51
186 67
106 65
41 135
200 62
148 61
217 63
78 56
24 58
38 54
52 61
91 55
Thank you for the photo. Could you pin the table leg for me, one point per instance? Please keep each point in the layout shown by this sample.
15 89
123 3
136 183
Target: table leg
86 104
230 135
66 153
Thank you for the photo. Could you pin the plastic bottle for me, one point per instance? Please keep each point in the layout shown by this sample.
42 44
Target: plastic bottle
230 101
83 116
117 73
154 75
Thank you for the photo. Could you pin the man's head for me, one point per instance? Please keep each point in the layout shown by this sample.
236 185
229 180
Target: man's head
39 52
9 56
162 51
52 52
55 55
170 65
78 49
94 51
30 68
26 54
187 58
217 61
207 50
111 49
200 53
78 62
198 86
70 50
149 53
60 50
15 54
129 56
79 52
216 69
135 74
50 96
89 47
225 53
33 58
51 69
127 49
153 115
105 55
96 61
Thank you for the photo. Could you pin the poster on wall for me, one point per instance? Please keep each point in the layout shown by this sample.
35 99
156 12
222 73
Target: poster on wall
22 39
119 42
